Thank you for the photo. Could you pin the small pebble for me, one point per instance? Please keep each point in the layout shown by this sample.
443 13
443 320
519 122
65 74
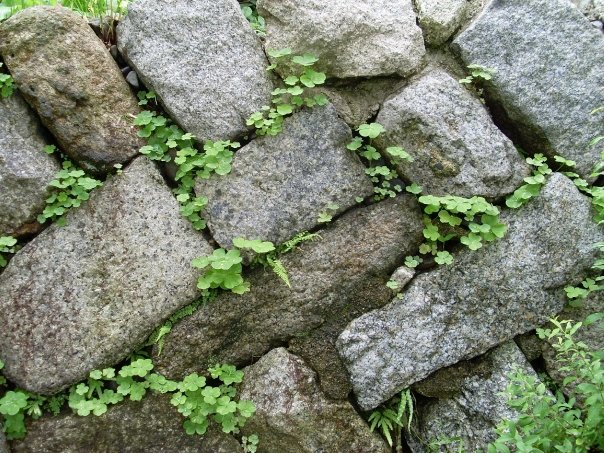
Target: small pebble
132 79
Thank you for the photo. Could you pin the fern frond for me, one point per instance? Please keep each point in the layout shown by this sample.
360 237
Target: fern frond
278 268
299 238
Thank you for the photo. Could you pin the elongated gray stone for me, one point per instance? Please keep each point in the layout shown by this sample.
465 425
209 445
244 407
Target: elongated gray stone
486 297
362 39
547 77
202 59
457 150
332 280
280 185
293 416
25 169
84 296
67 75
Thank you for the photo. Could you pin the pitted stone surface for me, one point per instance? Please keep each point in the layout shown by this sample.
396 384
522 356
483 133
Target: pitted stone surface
202 59
84 296
67 75
439 19
486 297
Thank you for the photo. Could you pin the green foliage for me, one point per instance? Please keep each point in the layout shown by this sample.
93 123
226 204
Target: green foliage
7 245
393 417
72 187
6 84
327 214
90 8
291 96
533 183
478 75
248 8
250 444
222 270
555 422
256 245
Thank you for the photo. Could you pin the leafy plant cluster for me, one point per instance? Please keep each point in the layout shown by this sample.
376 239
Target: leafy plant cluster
478 75
199 399
391 418
6 84
72 187
532 184
90 8
248 8
7 245
286 99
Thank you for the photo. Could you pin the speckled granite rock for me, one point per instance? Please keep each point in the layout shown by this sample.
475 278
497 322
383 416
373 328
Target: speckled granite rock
593 9
67 75
3 444
547 77
202 59
329 277
485 298
362 39
293 416
85 295
278 186
439 19
457 150
150 426
25 170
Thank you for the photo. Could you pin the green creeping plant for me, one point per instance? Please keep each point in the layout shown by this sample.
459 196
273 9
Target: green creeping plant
7 245
7 86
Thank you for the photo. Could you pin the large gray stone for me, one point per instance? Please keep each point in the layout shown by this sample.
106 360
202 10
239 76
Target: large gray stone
457 150
83 296
293 416
547 76
202 59
67 75
25 170
351 39
279 185
593 9
479 406
332 280
486 297
152 425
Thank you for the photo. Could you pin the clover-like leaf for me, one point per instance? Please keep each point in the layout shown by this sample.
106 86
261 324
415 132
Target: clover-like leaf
371 130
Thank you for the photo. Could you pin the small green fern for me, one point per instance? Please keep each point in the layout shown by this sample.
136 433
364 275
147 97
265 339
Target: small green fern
298 239
278 268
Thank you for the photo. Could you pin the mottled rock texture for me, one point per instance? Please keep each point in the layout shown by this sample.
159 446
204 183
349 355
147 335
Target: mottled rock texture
329 277
486 297
547 78
457 150
351 39
25 169
67 75
278 186
202 59
293 416
84 296
152 425
439 19
593 9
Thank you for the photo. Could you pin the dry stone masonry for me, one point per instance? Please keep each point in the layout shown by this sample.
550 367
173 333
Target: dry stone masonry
359 317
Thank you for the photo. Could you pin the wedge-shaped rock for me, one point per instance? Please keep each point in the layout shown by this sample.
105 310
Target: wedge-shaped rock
25 169
67 75
152 425
439 19
331 278
293 416
280 185
486 297
85 295
351 39
202 59
547 78
455 146
480 404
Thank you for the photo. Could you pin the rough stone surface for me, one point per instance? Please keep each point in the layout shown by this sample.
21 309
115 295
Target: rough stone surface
362 39
3 445
151 425
530 345
439 19
593 9
456 147
402 276
293 416
329 277
67 75
547 78
202 59
279 185
25 170
83 296
485 298
479 406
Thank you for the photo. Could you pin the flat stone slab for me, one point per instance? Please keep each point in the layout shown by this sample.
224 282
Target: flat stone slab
457 150
84 296
332 279
548 77
202 59
293 416
67 75
484 298
362 39
25 169
278 186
